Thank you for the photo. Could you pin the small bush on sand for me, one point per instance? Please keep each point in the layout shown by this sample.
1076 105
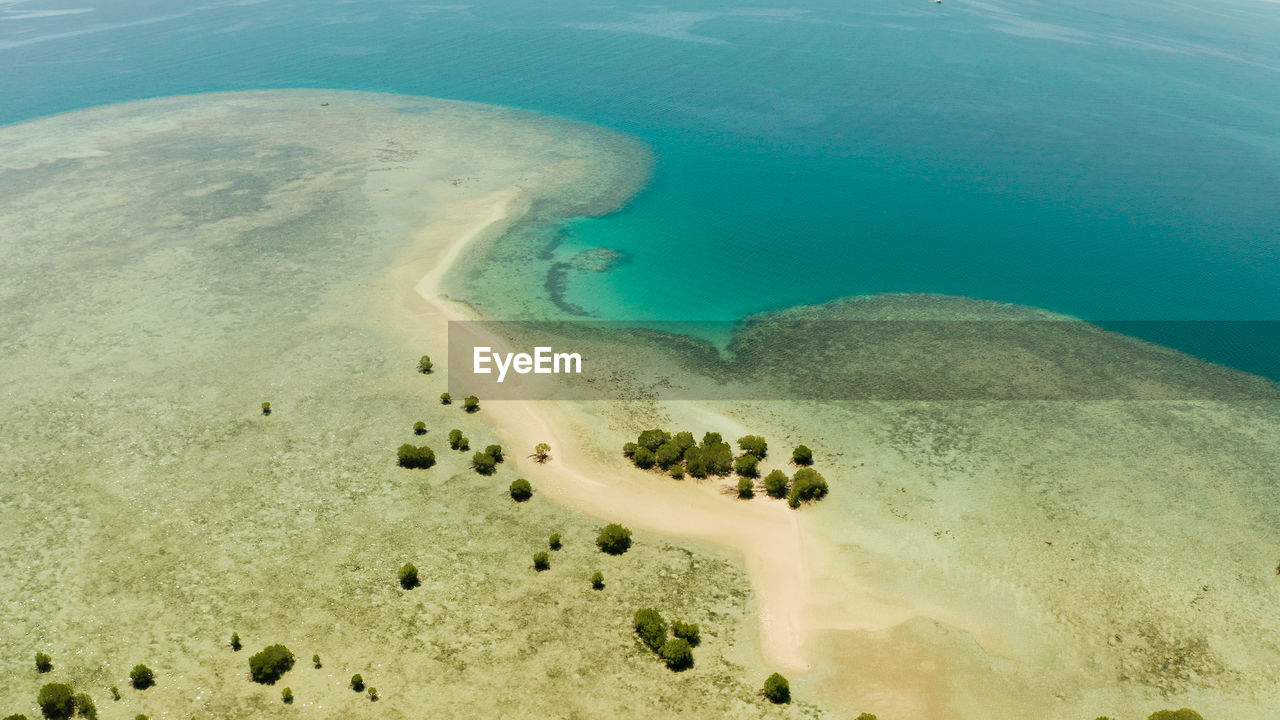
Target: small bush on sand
1183 714
483 463
614 539
141 677
653 439
597 580
266 408
643 458
425 364
651 628
495 452
471 403
554 541
446 399
419 428
409 577
776 483
521 490
746 488
85 707
56 701
44 663
235 642
677 654
754 445
777 689
687 631
357 683
802 455
270 663
541 561
746 466
415 457
287 696
806 486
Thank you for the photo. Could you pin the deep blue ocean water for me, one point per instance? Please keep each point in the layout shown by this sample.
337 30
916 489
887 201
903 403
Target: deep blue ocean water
1110 159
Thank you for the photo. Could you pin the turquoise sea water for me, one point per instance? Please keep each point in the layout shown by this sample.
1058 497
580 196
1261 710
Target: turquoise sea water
1112 159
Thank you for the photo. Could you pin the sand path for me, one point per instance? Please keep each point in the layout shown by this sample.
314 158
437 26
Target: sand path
767 534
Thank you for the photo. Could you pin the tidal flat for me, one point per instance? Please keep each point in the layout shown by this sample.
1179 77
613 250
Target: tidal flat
1106 544
1066 522
172 264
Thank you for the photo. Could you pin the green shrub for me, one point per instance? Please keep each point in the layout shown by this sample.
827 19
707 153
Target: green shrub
483 463
85 707
142 677
495 452
541 561
806 486
455 439
115 692
746 466
677 472
754 445
687 631
287 696
653 439
373 694
614 539
869 716
266 408
541 453
446 399
235 642
715 454
315 661
775 484
270 663
140 716
44 663
643 458
696 463
16 716
409 577
802 455
683 440
554 541
1183 714
419 428
521 490
677 654
746 488
597 580
777 689
651 628
56 701
464 444
357 683
425 364
471 403
668 454
629 449
415 457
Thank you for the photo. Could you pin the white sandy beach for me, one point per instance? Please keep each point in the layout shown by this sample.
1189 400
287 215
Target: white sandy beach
767 534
